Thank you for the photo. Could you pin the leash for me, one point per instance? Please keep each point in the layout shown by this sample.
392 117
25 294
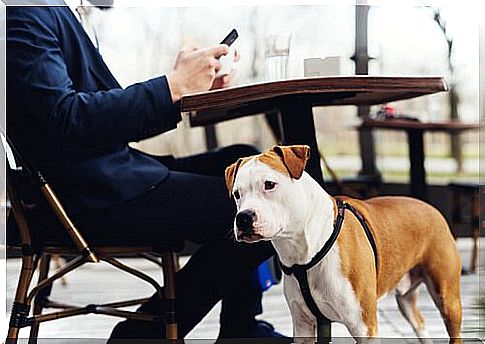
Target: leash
301 270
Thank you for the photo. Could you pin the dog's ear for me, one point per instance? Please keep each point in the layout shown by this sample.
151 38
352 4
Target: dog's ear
294 158
230 174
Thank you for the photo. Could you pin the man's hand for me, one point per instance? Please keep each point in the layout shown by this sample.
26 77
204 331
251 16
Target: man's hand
226 79
195 70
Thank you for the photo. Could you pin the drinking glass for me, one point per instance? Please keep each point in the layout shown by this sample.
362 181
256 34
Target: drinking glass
277 49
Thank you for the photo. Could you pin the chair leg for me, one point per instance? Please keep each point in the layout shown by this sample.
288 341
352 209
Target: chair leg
474 262
476 230
41 297
20 310
176 263
169 268
57 259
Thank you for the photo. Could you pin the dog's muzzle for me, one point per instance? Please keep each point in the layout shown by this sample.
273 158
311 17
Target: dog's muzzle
244 222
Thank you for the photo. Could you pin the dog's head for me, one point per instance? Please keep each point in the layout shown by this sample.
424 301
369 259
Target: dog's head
264 188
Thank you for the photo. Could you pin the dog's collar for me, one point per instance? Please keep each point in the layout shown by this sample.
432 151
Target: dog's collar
295 268
300 270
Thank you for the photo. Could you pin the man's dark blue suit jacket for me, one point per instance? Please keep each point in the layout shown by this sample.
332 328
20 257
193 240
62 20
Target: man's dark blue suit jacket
69 116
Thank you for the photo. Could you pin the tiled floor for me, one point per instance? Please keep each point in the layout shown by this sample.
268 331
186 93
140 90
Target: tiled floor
95 283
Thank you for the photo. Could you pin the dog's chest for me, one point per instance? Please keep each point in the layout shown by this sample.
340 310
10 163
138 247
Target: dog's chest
331 291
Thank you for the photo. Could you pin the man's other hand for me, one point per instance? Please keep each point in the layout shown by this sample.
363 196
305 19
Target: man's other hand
195 70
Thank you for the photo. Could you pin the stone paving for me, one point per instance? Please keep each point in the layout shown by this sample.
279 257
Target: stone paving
95 283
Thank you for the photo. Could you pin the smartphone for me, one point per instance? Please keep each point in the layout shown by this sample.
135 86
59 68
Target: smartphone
230 38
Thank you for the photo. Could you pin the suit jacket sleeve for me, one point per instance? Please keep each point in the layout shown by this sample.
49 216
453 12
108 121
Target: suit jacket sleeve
37 68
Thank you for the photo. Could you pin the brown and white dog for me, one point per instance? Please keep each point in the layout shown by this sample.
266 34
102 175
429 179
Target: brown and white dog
278 201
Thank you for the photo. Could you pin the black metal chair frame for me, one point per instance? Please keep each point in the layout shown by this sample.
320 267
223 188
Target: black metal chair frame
37 257
469 215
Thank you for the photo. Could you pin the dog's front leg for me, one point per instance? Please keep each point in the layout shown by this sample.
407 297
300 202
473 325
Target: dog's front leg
304 327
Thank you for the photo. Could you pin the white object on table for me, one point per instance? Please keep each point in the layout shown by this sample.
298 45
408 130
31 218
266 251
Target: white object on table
327 66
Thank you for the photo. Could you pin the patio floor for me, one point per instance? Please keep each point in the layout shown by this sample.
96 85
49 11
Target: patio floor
95 283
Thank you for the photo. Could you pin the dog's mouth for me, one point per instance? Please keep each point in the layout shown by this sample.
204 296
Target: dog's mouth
253 237
248 237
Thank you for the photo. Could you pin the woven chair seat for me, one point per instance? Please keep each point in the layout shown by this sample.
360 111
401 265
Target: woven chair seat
52 238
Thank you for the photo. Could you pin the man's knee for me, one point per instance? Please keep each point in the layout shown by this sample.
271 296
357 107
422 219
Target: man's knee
240 150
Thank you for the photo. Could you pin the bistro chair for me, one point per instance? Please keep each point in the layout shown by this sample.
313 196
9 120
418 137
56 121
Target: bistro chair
36 255
467 211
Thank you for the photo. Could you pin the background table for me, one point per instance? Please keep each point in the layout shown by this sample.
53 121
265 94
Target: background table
294 99
415 131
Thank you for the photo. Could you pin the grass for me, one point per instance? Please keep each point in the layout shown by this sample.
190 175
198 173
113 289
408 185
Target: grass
395 148
433 177
398 152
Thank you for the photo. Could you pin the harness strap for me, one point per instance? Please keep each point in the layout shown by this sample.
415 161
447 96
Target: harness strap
326 248
302 278
301 270
367 231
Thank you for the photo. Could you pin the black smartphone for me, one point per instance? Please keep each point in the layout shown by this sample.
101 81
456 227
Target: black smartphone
230 38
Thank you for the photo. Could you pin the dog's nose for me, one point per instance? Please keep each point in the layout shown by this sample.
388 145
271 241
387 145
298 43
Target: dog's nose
245 219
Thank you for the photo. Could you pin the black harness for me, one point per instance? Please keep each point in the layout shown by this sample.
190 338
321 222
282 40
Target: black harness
301 271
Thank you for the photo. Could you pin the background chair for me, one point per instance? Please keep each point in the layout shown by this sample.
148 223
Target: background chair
36 255
466 211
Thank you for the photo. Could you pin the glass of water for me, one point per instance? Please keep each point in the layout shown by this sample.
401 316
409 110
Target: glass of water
277 49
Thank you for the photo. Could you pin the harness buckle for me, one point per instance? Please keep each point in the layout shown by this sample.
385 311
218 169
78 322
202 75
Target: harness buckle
299 270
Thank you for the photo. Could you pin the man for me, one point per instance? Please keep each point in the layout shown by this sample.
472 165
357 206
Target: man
70 118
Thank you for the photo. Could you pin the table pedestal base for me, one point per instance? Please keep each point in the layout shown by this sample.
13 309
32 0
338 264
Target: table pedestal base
324 331
298 128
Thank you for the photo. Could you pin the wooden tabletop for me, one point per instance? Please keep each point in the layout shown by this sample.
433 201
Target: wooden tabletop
219 105
402 124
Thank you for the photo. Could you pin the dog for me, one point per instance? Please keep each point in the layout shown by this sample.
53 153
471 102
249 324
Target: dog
409 243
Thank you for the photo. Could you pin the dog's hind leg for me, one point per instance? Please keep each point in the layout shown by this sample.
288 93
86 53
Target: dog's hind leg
409 309
446 296
406 297
444 287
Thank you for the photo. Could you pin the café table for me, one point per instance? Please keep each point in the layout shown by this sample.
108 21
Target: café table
294 100
415 135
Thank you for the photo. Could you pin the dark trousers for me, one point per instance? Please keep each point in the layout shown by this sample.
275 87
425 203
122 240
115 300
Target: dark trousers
193 204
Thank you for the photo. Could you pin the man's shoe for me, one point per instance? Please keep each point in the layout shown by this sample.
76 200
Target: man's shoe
264 329
260 329
136 329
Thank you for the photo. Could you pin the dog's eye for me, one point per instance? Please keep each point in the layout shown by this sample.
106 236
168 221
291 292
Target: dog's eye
269 185
237 195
